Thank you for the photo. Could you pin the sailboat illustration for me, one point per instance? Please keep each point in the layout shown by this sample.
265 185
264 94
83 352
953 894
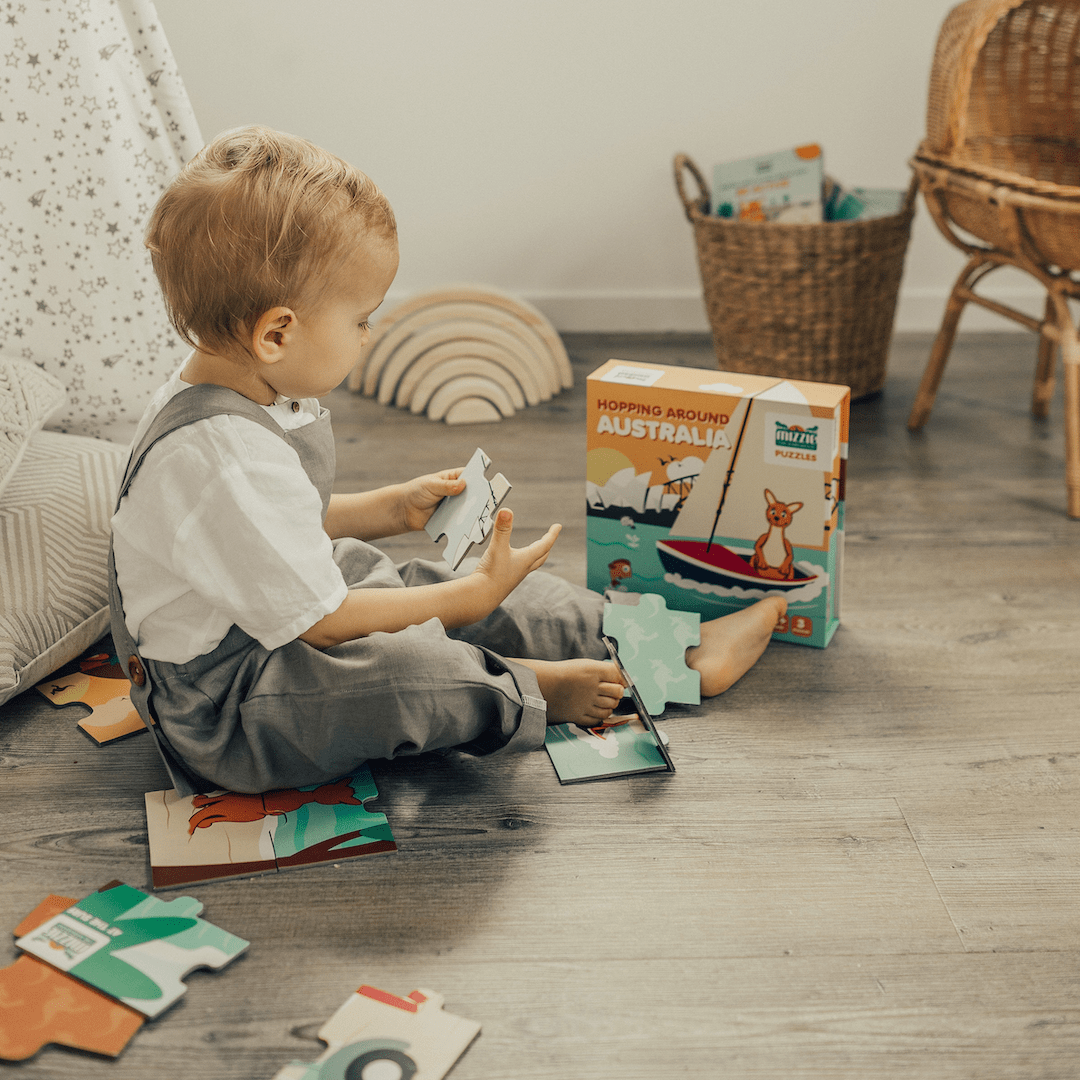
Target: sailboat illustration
707 566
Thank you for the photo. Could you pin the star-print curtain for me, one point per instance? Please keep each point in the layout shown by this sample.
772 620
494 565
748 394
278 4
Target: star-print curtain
94 121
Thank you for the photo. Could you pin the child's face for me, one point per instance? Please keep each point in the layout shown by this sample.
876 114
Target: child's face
326 341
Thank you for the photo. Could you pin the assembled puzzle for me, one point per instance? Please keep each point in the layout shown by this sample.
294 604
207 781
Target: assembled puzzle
224 834
465 519
716 489
376 1034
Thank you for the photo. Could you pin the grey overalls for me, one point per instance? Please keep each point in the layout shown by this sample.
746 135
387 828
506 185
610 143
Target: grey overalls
248 719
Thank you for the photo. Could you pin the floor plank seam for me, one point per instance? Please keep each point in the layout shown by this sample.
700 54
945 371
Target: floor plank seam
918 848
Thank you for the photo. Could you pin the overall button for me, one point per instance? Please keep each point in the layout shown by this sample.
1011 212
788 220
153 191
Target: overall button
136 671
296 406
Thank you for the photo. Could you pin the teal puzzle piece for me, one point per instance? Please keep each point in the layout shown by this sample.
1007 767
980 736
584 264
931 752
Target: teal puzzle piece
133 947
652 644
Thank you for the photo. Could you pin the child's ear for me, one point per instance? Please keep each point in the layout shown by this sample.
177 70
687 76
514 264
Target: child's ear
273 331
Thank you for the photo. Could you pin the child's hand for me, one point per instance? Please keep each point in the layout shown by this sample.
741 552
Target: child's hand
505 566
420 496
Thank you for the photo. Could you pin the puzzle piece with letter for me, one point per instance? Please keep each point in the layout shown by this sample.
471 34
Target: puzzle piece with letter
102 685
225 834
42 1005
652 645
411 1038
133 947
467 518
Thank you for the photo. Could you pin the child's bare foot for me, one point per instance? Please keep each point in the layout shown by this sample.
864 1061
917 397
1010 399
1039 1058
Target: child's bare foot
582 692
731 645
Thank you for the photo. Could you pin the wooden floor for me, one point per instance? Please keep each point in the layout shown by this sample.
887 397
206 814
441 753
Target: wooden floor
867 865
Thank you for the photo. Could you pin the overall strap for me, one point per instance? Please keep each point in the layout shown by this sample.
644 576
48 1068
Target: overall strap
195 403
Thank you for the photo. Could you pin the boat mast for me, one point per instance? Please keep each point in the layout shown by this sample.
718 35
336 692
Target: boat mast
731 470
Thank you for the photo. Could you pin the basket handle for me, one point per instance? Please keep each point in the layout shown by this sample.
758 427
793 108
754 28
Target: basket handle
912 191
693 207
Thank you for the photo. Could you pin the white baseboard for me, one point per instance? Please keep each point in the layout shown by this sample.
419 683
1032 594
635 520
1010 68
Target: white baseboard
606 311
922 309
682 310
624 312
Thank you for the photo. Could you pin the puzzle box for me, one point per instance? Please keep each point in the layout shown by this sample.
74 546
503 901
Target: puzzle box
715 489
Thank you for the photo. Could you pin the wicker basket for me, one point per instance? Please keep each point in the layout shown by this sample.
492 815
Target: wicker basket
813 302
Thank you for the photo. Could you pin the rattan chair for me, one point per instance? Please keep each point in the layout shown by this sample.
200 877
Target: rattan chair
1000 172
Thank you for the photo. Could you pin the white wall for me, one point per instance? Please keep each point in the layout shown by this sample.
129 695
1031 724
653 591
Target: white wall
527 144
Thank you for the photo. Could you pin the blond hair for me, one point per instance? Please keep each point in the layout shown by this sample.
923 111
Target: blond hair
257 219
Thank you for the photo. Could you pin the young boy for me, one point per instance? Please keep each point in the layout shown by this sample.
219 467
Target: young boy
271 644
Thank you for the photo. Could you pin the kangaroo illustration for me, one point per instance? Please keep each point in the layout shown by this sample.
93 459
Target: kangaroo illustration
771 563
233 806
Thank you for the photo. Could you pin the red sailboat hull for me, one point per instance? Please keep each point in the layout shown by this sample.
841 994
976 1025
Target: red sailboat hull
714 564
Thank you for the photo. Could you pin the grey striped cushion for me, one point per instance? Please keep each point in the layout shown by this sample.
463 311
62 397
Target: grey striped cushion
54 537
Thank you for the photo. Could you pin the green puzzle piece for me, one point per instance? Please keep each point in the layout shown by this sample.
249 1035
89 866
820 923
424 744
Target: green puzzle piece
131 946
652 644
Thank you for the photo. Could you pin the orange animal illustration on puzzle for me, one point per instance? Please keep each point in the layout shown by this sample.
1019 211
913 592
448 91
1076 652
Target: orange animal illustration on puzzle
773 556
103 686
233 806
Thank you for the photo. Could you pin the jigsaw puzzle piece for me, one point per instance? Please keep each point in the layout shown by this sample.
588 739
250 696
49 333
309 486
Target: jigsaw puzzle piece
652 647
112 715
40 1005
134 947
466 519
412 1035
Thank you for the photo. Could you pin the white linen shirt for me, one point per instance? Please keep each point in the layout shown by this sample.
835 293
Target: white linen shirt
222 526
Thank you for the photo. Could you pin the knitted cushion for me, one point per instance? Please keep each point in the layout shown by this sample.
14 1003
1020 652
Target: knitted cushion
28 396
